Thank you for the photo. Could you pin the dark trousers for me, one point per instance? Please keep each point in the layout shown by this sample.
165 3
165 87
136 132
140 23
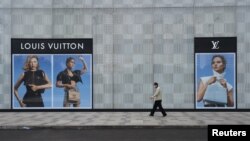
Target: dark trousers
214 105
157 104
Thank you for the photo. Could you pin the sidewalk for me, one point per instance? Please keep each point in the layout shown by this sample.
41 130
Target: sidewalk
23 120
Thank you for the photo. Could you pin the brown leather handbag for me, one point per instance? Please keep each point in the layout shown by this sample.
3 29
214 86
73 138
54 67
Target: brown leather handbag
73 95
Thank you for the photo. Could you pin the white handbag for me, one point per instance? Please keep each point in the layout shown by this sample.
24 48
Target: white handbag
216 94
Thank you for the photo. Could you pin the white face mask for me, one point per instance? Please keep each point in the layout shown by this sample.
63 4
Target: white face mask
218 75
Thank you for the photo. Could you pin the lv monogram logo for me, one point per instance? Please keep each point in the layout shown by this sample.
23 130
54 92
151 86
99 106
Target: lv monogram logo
215 44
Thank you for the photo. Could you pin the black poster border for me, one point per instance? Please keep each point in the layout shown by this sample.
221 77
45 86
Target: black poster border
41 109
220 51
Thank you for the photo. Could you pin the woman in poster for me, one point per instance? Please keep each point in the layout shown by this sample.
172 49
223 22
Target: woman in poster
68 79
35 80
216 85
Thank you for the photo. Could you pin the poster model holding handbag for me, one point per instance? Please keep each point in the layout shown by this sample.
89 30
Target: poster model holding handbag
68 79
214 90
35 80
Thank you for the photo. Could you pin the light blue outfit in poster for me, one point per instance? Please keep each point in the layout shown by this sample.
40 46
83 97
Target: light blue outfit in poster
204 72
215 92
218 77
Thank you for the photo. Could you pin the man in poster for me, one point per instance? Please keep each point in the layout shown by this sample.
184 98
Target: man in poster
68 78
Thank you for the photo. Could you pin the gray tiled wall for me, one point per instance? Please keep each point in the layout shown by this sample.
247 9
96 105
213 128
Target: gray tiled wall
215 21
103 58
72 23
173 55
133 52
5 35
31 23
136 42
243 56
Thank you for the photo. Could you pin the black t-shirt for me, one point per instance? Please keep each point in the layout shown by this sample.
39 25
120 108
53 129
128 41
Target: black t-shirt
34 77
66 79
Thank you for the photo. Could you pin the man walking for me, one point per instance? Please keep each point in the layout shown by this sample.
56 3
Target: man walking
157 100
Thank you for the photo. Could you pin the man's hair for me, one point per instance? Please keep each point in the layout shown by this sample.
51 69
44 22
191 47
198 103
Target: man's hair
69 59
155 84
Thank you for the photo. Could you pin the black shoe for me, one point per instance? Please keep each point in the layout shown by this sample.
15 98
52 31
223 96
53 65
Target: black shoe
164 115
151 115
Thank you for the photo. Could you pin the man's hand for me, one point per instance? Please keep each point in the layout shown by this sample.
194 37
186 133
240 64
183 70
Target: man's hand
81 58
68 86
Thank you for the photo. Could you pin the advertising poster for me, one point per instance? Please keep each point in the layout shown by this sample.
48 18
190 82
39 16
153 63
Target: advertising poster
51 73
215 73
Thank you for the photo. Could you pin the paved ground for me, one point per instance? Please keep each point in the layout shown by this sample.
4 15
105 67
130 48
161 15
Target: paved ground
20 120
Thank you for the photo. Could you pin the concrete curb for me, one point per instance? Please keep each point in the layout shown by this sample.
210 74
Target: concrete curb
100 127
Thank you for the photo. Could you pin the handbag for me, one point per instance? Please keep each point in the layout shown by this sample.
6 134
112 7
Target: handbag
73 95
216 94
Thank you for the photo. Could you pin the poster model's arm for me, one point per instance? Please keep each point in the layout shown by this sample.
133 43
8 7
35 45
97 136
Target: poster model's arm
17 85
45 86
203 87
66 86
84 69
230 99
